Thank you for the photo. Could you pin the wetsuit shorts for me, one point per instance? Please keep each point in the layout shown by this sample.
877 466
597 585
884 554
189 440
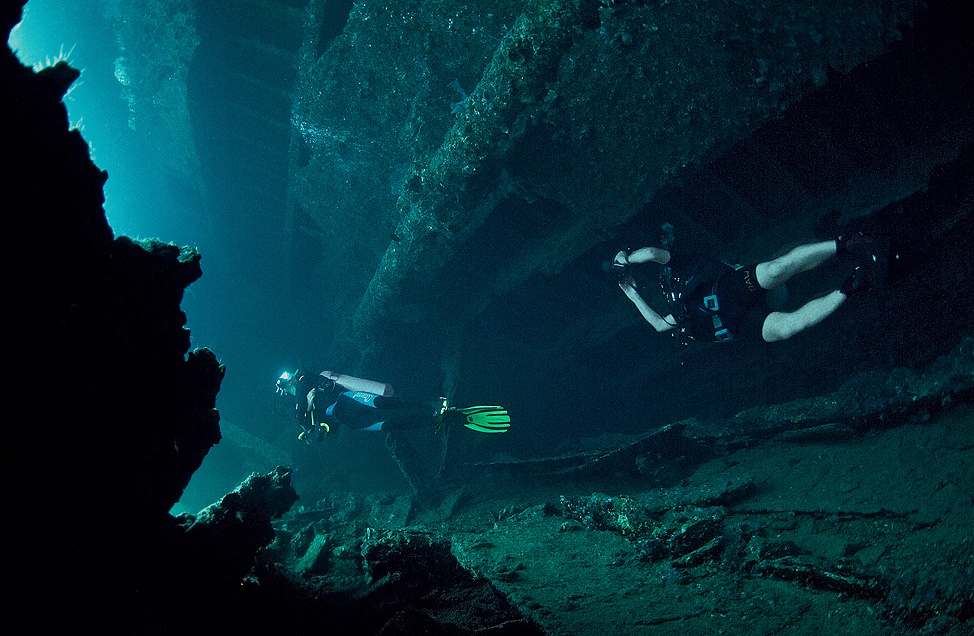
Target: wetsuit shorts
743 303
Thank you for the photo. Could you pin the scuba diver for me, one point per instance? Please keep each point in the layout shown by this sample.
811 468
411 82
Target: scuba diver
328 400
718 302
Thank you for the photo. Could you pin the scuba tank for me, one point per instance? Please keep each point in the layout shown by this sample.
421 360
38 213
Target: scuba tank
359 384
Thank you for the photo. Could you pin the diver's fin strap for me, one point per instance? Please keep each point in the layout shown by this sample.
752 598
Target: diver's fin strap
486 419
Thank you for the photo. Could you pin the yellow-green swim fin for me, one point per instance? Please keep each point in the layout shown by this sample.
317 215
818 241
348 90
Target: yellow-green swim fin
486 419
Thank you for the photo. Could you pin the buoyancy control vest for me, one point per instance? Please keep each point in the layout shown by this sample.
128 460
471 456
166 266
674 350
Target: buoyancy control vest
691 295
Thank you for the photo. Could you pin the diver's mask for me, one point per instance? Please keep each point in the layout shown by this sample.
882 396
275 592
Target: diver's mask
287 384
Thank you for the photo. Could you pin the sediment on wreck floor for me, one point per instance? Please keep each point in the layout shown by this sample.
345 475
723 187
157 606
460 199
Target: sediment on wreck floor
860 535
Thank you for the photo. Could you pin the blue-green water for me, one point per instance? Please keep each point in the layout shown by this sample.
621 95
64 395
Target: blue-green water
372 193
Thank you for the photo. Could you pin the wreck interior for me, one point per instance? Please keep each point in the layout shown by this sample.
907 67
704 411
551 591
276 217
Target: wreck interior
425 193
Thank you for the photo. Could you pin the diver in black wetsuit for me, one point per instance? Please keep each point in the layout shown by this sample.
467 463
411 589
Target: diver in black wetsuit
321 404
722 302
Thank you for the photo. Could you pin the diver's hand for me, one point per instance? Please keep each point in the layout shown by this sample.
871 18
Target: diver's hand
628 285
622 258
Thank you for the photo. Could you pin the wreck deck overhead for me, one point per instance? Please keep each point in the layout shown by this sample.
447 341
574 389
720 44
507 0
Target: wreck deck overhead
539 129
458 175
435 186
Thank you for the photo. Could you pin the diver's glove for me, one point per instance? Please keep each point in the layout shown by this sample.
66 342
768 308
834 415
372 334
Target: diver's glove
618 268
859 281
628 285
617 271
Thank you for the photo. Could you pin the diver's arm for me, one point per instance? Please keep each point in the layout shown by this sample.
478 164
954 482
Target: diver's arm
643 255
312 420
659 323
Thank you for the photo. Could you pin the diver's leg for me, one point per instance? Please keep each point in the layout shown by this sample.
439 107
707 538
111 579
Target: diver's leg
407 423
800 259
398 414
780 325
388 403
401 405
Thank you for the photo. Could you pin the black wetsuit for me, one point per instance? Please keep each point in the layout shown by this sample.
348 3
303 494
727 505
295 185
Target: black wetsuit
715 302
333 404
370 412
